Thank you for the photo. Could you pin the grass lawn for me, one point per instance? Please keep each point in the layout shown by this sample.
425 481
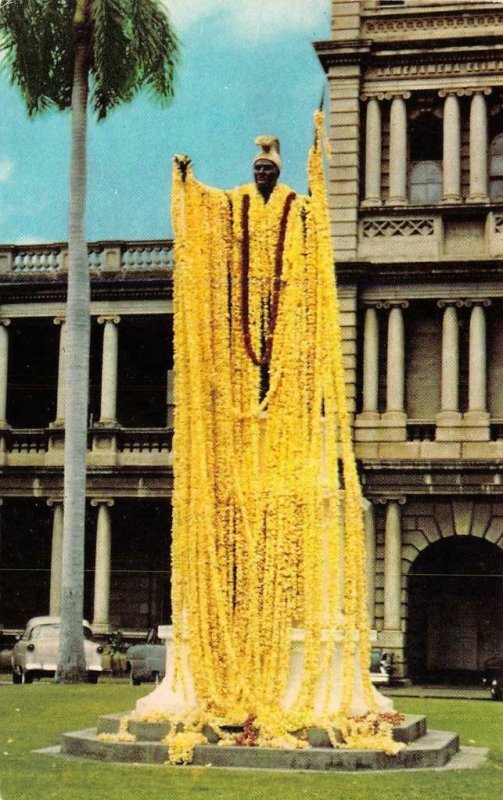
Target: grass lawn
34 716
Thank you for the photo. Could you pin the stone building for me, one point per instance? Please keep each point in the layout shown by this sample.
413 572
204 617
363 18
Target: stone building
130 433
416 193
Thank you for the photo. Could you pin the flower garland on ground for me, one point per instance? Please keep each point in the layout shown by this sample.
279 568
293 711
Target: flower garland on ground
263 537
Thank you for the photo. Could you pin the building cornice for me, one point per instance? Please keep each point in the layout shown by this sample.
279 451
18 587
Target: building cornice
455 271
342 53
115 286
445 22
416 478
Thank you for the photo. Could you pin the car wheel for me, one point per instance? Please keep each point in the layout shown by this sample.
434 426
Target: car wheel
17 677
134 681
92 677
26 677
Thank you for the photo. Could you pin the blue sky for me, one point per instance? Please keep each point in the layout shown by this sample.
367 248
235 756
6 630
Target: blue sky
248 68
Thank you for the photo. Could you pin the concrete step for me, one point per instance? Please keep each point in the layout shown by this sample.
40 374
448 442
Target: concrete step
411 728
86 744
431 750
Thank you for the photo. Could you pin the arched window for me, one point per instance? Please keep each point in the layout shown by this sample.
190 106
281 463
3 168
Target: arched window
496 168
426 183
425 142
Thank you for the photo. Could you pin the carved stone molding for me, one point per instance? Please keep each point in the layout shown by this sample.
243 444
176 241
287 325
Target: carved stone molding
465 303
383 501
109 318
415 69
406 226
467 92
451 302
107 501
387 304
430 24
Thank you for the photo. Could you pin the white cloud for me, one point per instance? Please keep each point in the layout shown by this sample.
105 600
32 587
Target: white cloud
31 240
252 20
186 13
6 170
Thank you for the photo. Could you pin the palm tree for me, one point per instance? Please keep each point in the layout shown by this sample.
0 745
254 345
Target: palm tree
76 54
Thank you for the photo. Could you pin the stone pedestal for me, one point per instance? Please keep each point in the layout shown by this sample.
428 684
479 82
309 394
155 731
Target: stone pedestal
165 699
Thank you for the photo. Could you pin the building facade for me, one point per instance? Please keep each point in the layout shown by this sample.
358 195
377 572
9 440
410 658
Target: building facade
130 434
416 195
416 191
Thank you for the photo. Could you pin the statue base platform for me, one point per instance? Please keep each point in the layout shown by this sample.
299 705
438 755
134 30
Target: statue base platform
424 749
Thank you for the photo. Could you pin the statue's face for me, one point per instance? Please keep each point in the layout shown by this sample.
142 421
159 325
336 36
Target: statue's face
266 175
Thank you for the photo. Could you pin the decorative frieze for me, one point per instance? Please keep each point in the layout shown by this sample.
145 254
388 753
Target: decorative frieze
430 25
418 68
404 226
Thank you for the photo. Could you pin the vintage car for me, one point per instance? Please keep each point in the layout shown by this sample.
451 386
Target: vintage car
35 653
146 662
381 666
493 676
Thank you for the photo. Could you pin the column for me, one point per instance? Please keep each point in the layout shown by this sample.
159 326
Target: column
398 152
452 150
477 360
170 399
395 372
370 362
392 566
61 396
102 566
450 360
108 408
4 368
373 149
370 551
478 148
56 557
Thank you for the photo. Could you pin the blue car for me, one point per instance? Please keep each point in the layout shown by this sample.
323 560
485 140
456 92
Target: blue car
146 663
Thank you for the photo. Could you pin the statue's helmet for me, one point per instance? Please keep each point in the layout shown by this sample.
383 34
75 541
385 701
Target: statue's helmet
269 150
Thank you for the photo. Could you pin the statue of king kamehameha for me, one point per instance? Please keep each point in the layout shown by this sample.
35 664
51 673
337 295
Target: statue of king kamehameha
268 565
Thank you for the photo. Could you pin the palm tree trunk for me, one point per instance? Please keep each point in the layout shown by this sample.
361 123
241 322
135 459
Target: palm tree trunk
71 663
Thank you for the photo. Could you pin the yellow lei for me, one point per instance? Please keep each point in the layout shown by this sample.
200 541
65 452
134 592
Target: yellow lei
257 498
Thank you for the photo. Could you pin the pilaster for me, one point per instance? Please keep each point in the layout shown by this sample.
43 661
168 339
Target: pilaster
394 415
59 422
346 19
102 569
56 556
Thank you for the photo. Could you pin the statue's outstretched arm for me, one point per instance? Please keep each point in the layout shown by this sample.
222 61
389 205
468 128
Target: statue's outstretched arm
182 164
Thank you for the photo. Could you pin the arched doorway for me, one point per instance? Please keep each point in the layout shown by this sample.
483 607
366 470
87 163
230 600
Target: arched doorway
454 609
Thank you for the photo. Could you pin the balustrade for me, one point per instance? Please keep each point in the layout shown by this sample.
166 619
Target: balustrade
139 440
105 256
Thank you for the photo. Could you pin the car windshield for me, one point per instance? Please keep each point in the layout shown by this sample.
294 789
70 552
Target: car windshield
45 632
51 631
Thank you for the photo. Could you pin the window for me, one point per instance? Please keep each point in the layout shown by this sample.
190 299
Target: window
426 153
496 168
426 183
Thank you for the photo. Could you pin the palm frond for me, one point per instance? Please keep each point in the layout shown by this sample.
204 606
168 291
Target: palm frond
38 51
156 47
132 45
111 66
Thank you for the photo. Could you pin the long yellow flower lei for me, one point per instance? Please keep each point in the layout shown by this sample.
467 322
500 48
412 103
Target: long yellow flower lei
264 540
